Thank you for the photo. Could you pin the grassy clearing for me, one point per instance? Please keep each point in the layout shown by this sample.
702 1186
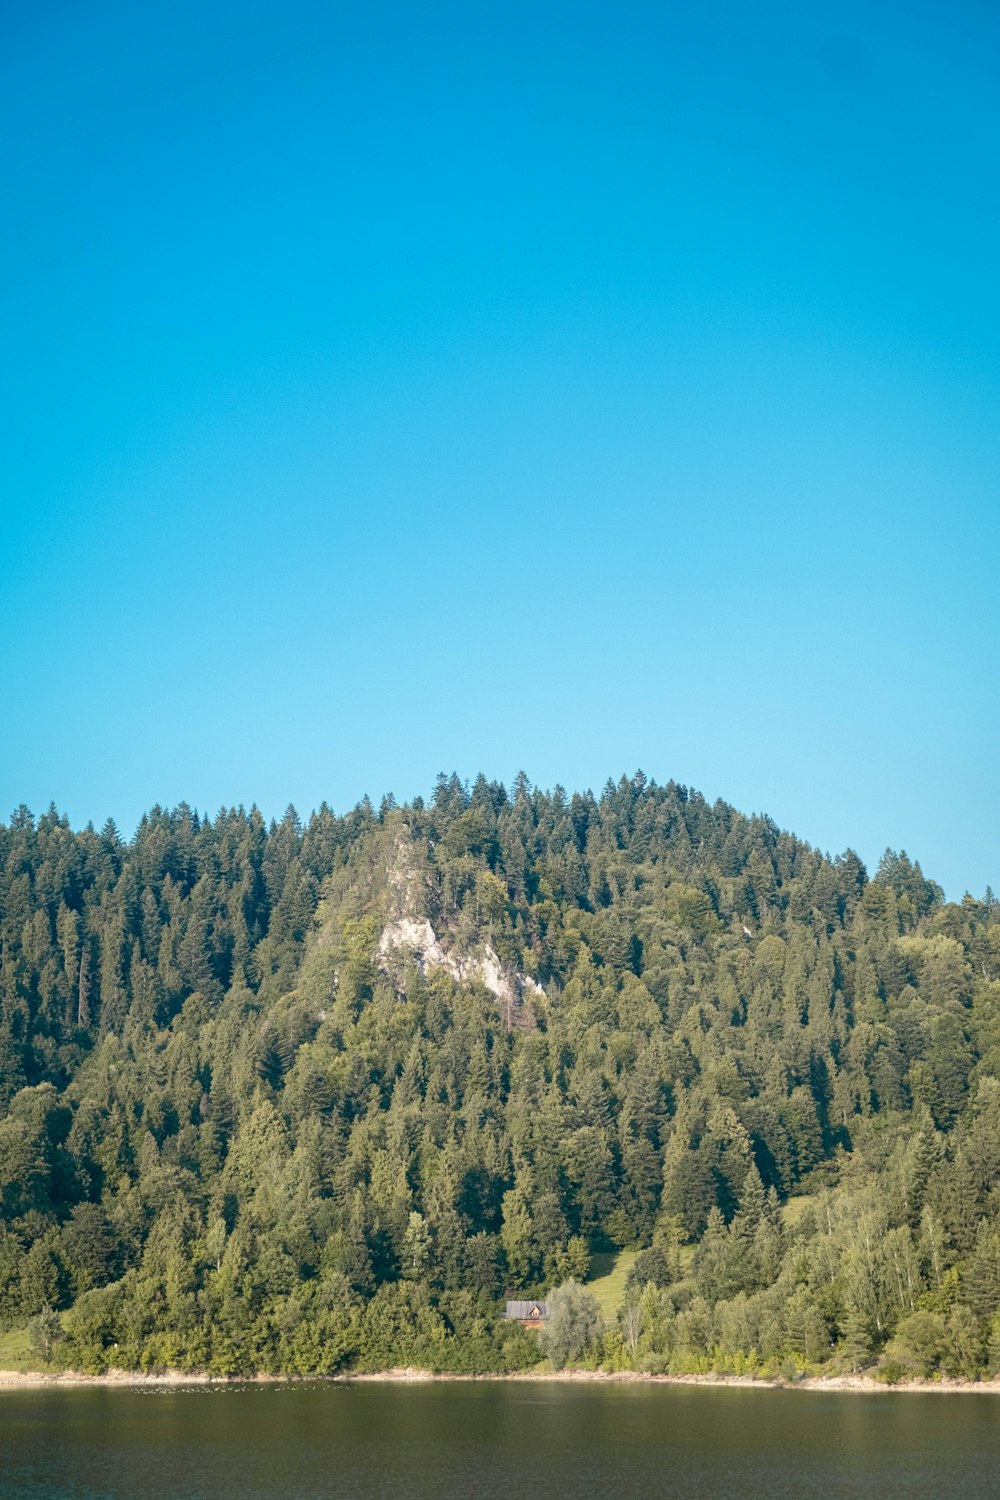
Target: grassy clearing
14 1352
607 1280
794 1209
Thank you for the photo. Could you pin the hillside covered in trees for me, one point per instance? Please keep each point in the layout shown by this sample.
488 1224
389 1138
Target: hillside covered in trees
310 1098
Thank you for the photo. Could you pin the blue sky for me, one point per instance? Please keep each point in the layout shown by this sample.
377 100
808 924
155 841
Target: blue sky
392 389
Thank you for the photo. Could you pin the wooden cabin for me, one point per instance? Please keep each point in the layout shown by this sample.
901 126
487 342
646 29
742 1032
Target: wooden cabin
528 1314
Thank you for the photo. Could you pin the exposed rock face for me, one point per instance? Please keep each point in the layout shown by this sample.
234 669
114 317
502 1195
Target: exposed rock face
409 931
417 937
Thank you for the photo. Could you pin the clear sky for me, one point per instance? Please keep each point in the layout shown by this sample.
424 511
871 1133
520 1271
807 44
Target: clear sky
397 388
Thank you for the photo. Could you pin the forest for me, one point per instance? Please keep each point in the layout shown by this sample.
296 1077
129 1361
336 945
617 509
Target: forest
316 1097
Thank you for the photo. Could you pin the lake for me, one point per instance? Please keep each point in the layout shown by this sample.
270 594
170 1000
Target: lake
546 1439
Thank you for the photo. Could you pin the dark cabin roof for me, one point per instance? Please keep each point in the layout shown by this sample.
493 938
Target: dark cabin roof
534 1309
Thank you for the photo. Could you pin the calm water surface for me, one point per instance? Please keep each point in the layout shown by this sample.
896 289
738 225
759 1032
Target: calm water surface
492 1440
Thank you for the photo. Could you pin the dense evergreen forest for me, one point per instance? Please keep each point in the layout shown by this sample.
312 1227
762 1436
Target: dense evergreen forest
310 1098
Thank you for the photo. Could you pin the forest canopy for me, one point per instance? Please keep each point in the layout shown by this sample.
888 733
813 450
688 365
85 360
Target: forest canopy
316 1096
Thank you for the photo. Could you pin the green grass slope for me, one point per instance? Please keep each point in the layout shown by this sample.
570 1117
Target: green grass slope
608 1273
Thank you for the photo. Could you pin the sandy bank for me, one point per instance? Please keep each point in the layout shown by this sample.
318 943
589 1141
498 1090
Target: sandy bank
864 1383
410 1376
137 1378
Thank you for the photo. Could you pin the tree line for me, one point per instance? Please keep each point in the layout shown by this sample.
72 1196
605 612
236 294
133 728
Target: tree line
238 1134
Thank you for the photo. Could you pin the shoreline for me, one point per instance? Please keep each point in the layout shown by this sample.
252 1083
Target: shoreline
408 1375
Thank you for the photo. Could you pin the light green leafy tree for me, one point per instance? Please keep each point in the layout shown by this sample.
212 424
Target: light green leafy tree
44 1331
573 1326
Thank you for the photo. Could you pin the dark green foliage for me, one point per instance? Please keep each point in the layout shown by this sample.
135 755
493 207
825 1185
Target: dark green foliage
243 1128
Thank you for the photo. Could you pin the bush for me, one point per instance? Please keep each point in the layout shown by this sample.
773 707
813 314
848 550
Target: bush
919 1343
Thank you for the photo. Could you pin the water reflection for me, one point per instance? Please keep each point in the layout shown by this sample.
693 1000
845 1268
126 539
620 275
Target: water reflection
494 1440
